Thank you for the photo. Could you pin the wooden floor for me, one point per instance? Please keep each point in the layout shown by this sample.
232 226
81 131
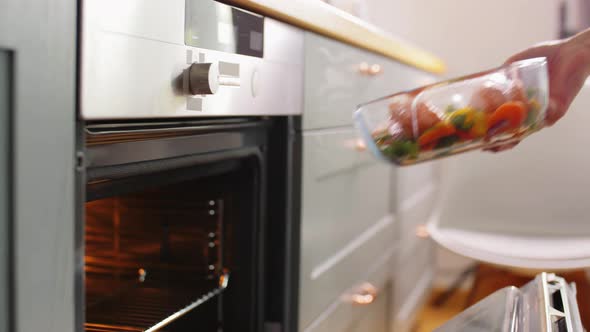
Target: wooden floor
431 317
488 280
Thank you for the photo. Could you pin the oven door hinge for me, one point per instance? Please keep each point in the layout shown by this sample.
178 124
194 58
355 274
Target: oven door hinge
80 161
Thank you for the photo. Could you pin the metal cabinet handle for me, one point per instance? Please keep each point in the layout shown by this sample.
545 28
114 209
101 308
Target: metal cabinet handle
422 231
360 145
370 70
366 295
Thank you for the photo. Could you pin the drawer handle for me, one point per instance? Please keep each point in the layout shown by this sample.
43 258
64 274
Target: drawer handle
360 145
366 295
422 231
370 70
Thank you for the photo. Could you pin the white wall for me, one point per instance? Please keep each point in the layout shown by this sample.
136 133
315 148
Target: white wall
469 36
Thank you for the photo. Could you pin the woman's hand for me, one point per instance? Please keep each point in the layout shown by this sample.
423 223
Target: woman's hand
568 62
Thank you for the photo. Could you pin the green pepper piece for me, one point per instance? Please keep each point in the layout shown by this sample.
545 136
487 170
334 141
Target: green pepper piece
446 141
413 149
401 148
460 122
531 116
532 93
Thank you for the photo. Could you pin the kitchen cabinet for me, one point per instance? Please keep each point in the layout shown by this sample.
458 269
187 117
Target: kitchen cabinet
40 37
351 201
6 66
375 320
346 315
417 189
343 223
412 283
338 77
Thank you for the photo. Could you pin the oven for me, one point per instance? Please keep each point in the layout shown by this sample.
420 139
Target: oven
188 168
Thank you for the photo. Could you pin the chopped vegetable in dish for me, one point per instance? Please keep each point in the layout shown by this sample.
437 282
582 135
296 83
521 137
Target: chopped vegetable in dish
432 136
492 113
508 116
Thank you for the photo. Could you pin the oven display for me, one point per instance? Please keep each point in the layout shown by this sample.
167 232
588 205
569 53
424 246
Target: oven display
220 27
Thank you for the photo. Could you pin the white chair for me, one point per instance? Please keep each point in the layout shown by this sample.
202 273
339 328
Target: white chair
525 209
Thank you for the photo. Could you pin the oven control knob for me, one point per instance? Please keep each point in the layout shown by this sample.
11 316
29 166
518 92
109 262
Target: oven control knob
203 78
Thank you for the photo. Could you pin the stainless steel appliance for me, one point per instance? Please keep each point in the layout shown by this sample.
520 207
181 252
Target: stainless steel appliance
547 303
186 109
193 58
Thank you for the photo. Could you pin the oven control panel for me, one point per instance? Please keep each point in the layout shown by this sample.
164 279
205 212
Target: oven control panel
176 58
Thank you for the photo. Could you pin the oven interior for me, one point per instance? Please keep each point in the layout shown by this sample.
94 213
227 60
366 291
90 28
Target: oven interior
174 250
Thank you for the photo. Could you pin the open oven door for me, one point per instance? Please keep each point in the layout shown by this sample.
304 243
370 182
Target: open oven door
547 303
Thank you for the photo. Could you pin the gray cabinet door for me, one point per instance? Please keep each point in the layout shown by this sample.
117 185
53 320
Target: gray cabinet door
41 36
344 314
334 84
376 319
6 66
346 220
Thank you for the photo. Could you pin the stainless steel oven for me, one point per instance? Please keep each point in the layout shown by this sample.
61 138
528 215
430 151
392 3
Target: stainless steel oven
189 161
193 58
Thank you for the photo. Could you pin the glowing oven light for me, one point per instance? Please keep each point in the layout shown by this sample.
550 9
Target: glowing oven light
141 275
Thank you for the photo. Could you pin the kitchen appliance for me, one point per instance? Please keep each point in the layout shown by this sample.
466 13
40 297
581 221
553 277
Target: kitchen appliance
182 123
193 58
547 303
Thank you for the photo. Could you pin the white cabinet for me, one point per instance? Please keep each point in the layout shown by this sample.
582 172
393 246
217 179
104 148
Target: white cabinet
346 220
335 81
349 199
346 315
413 277
417 189
375 320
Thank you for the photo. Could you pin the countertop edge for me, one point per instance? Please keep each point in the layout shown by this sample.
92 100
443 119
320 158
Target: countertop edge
321 18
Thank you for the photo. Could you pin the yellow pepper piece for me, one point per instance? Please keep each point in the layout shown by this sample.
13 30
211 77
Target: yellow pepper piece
470 123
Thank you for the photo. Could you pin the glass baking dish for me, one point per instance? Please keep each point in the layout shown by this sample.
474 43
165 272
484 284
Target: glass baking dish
478 111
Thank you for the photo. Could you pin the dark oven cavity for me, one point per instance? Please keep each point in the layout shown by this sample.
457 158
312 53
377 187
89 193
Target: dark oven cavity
174 227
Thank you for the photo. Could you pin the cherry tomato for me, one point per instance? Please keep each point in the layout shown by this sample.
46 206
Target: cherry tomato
517 92
488 99
425 117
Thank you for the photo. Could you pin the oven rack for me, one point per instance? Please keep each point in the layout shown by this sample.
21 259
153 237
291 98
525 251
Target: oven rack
148 308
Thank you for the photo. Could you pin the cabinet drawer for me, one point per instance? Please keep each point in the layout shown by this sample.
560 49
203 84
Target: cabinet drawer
417 193
343 194
346 219
375 198
344 314
334 83
413 279
377 318
393 77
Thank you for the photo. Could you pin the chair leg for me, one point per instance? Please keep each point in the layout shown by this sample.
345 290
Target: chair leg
478 276
442 298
